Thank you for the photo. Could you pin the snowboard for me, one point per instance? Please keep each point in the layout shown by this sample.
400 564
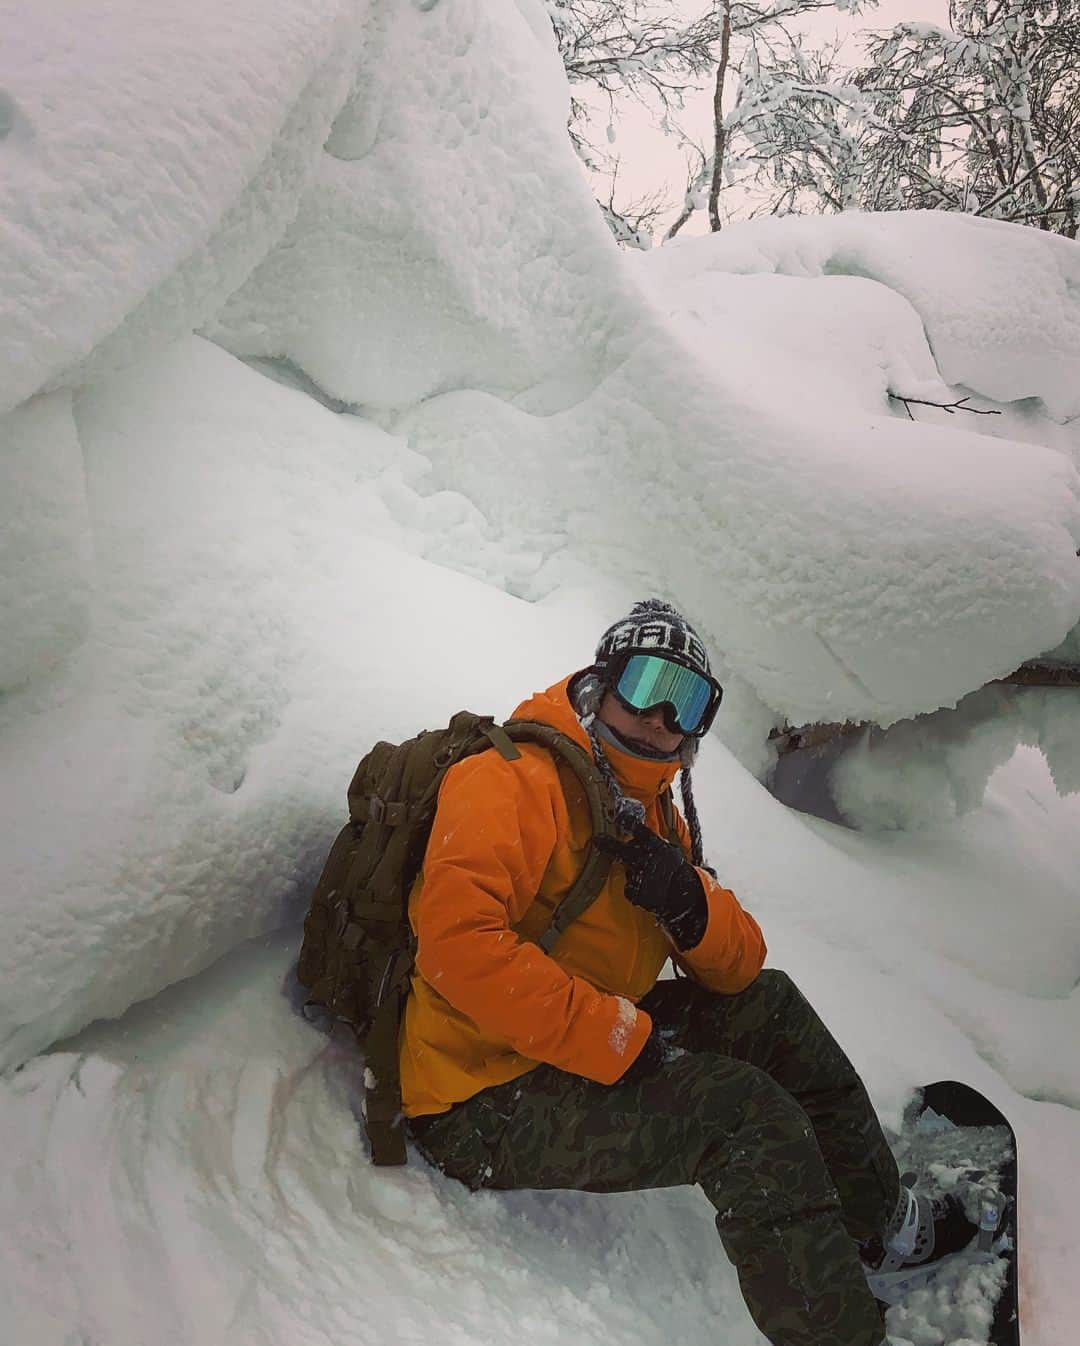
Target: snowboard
955 1140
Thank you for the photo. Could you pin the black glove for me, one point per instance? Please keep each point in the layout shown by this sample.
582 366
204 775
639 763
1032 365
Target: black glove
649 1060
660 879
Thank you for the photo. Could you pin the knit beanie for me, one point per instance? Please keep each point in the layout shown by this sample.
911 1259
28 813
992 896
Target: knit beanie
653 627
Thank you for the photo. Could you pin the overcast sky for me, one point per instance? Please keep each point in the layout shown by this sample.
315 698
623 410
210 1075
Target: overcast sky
649 160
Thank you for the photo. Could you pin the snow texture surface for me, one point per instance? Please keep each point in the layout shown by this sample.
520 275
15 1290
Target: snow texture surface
154 155
1000 306
165 752
386 201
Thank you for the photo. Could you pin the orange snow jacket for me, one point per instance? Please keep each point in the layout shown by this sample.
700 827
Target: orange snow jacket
487 1004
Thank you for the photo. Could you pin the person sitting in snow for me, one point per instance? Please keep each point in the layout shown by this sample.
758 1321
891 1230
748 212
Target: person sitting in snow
579 1069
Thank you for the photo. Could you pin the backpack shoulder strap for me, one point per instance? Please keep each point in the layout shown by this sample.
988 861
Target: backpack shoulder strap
586 887
667 812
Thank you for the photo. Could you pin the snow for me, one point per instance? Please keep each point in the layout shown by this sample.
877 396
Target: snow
1001 307
46 548
841 571
192 757
623 1027
247 638
447 239
441 264
937 766
218 587
244 1200
155 154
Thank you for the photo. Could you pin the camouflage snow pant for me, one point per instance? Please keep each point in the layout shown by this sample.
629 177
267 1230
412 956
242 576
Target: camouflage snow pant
763 1111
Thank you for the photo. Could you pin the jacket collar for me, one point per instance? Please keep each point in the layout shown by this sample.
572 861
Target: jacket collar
639 778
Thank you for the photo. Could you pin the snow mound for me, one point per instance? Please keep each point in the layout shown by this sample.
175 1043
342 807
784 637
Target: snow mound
443 249
263 594
1000 302
153 155
498 289
450 238
846 564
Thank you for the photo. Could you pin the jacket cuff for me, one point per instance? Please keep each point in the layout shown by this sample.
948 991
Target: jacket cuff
630 1027
732 951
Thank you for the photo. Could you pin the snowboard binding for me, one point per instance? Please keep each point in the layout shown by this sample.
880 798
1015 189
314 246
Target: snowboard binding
952 1241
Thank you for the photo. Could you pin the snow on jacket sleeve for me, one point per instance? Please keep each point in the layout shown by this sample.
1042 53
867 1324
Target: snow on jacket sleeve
732 950
495 831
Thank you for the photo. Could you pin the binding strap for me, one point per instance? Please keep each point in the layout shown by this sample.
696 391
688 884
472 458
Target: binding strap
901 1244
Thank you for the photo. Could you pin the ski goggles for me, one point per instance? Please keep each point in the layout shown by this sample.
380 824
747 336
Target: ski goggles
689 699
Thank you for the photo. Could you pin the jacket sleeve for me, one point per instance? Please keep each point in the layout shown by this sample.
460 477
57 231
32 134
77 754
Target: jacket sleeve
494 832
732 950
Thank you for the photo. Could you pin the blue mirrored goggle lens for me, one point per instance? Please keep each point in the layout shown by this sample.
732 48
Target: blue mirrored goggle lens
647 681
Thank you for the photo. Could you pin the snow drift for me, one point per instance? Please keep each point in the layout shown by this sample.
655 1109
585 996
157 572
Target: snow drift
999 305
258 605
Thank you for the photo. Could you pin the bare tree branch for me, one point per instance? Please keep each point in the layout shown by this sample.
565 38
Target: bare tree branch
951 407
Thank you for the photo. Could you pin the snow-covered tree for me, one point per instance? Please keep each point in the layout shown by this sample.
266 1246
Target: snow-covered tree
634 221
799 129
649 51
746 27
986 113
641 49
614 50
981 116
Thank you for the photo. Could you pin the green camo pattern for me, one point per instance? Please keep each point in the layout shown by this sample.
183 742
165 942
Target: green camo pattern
758 1105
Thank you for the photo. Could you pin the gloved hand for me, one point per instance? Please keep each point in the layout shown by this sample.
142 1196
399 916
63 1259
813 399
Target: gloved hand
660 879
649 1060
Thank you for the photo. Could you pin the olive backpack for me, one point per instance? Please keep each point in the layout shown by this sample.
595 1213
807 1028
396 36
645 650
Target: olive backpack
357 956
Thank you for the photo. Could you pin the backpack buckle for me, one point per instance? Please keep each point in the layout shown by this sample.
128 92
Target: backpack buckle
392 814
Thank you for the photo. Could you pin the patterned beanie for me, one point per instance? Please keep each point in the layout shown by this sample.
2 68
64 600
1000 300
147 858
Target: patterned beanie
653 627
